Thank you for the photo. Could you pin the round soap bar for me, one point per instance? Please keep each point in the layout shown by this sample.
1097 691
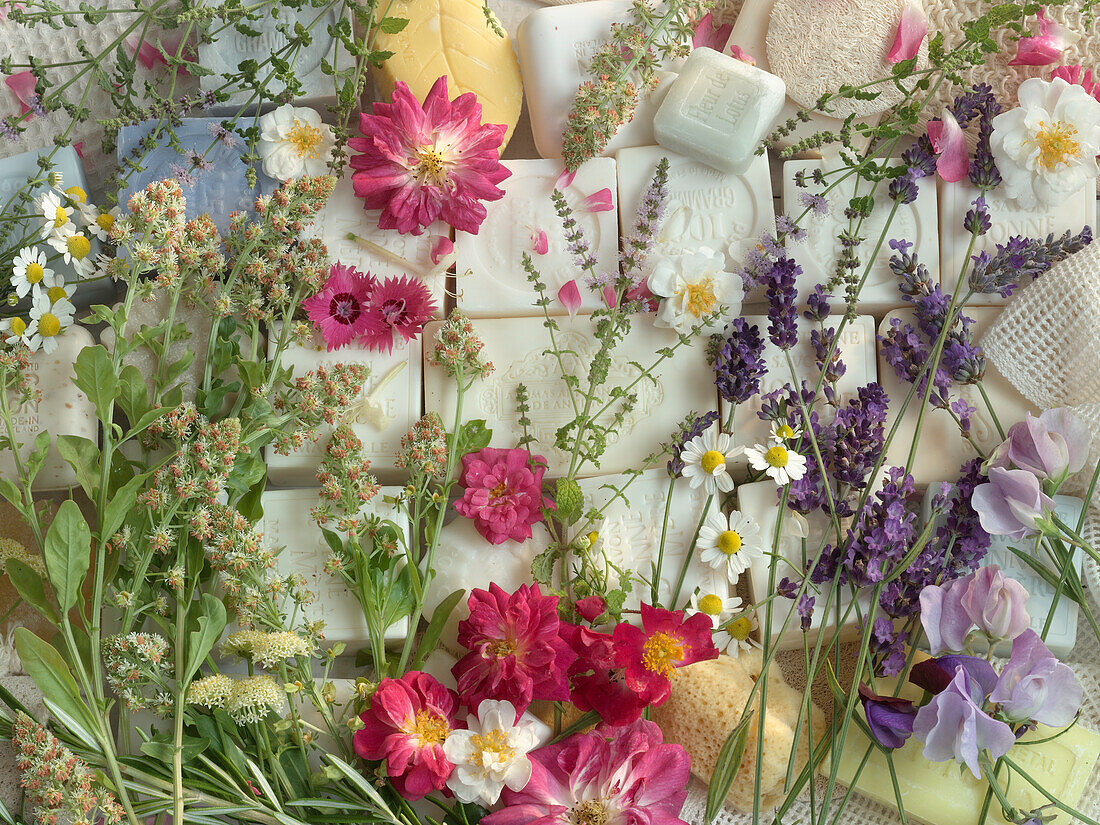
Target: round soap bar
817 46
453 38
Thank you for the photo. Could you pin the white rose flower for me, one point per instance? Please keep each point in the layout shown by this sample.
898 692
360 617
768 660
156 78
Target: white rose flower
695 285
491 753
294 142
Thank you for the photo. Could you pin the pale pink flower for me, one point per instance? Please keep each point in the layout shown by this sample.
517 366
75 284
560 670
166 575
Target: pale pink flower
570 297
949 142
1045 47
502 493
423 163
601 201
742 55
339 310
397 306
22 84
912 29
540 243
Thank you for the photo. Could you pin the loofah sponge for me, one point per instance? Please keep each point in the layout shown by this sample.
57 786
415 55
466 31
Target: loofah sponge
844 42
706 704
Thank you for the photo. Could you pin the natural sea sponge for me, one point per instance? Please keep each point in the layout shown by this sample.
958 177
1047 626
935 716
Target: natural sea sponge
706 704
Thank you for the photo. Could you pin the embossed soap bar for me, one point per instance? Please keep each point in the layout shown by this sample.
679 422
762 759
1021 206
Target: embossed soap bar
491 280
518 350
287 523
62 410
718 110
386 408
453 38
1073 213
818 254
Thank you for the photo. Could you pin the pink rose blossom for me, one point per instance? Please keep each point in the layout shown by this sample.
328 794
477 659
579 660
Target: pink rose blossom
912 29
339 310
667 640
595 680
949 142
397 307
1077 75
420 164
590 608
1047 46
516 653
406 725
502 493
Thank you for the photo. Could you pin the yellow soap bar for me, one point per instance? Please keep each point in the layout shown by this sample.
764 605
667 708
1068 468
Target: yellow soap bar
453 38
946 793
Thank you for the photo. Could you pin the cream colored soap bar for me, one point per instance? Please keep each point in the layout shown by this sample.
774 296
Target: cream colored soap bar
452 38
945 793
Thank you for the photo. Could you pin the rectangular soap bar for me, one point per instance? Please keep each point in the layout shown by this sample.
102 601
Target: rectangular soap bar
946 793
287 524
518 349
1072 213
62 410
556 44
942 449
819 252
386 408
491 280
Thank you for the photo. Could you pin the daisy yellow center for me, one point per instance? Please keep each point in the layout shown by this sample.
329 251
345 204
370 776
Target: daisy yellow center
60 217
494 742
77 194
591 812
35 273
784 431
56 293
661 653
105 221
711 604
699 297
777 457
729 542
49 325
306 139
78 247
430 728
1056 144
430 165
18 326
740 628
712 461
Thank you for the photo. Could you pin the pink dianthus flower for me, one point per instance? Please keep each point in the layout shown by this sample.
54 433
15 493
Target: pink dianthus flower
339 310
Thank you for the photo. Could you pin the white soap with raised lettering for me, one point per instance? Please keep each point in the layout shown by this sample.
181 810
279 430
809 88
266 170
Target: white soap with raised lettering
819 252
288 524
718 110
705 207
387 406
491 280
942 449
556 45
518 349
62 410
1072 213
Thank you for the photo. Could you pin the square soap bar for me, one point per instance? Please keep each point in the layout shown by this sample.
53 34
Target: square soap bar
287 524
385 253
386 408
491 280
630 534
555 45
943 449
718 110
1073 213
818 254
63 410
229 48
219 191
518 349
705 207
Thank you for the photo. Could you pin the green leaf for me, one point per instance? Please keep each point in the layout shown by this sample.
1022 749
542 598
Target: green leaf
133 393
163 748
119 506
68 553
435 626
725 770
211 623
82 454
472 436
95 377
393 25
44 664
356 779
28 584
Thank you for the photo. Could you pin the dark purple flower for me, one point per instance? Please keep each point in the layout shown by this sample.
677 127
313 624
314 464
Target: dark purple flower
739 365
1023 259
806 611
920 158
903 188
890 718
1036 687
779 281
1011 503
977 220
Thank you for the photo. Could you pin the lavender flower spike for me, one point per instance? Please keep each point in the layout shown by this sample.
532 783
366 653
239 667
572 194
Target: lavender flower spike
1011 503
1035 686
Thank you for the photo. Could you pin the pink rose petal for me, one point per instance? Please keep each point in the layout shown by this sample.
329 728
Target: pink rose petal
912 29
79 147
742 55
599 201
1078 75
442 246
610 297
949 142
709 35
22 83
540 242
565 180
1046 47
147 53
570 297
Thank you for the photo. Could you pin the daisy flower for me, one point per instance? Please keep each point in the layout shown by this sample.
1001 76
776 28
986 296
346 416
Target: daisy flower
397 306
731 543
14 330
294 142
77 195
780 464
718 609
75 249
99 223
31 273
55 213
47 322
782 432
339 310
740 630
706 457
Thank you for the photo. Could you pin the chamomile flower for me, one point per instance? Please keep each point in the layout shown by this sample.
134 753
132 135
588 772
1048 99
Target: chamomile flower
730 543
31 273
718 609
48 321
75 249
779 463
14 330
77 195
784 433
706 458
739 630
99 223
55 212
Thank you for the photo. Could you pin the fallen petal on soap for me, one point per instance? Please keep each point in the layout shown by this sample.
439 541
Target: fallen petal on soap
570 297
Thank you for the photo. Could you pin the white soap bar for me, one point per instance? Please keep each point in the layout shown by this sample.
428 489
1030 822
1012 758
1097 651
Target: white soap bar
385 253
555 45
705 207
491 279
857 351
819 252
464 561
518 349
942 449
62 410
288 524
386 408
718 110
630 535
1072 213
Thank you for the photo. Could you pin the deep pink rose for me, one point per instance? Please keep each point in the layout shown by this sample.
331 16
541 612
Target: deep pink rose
667 640
502 493
597 682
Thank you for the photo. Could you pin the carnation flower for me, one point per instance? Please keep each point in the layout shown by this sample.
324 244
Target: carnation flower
294 143
502 493
695 286
339 310
1046 148
779 463
408 721
420 164
730 543
30 272
491 753
706 458
397 306
667 640
515 651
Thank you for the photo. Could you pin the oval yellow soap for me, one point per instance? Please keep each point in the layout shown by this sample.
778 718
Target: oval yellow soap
453 38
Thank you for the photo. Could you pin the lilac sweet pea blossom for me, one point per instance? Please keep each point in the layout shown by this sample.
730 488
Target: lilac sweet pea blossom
945 621
1051 446
1035 686
1011 503
987 599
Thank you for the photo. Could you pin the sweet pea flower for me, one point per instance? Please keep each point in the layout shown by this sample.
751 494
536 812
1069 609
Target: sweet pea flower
946 623
949 143
912 29
1011 503
890 718
1035 686
1051 446
996 604
1047 46
22 84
